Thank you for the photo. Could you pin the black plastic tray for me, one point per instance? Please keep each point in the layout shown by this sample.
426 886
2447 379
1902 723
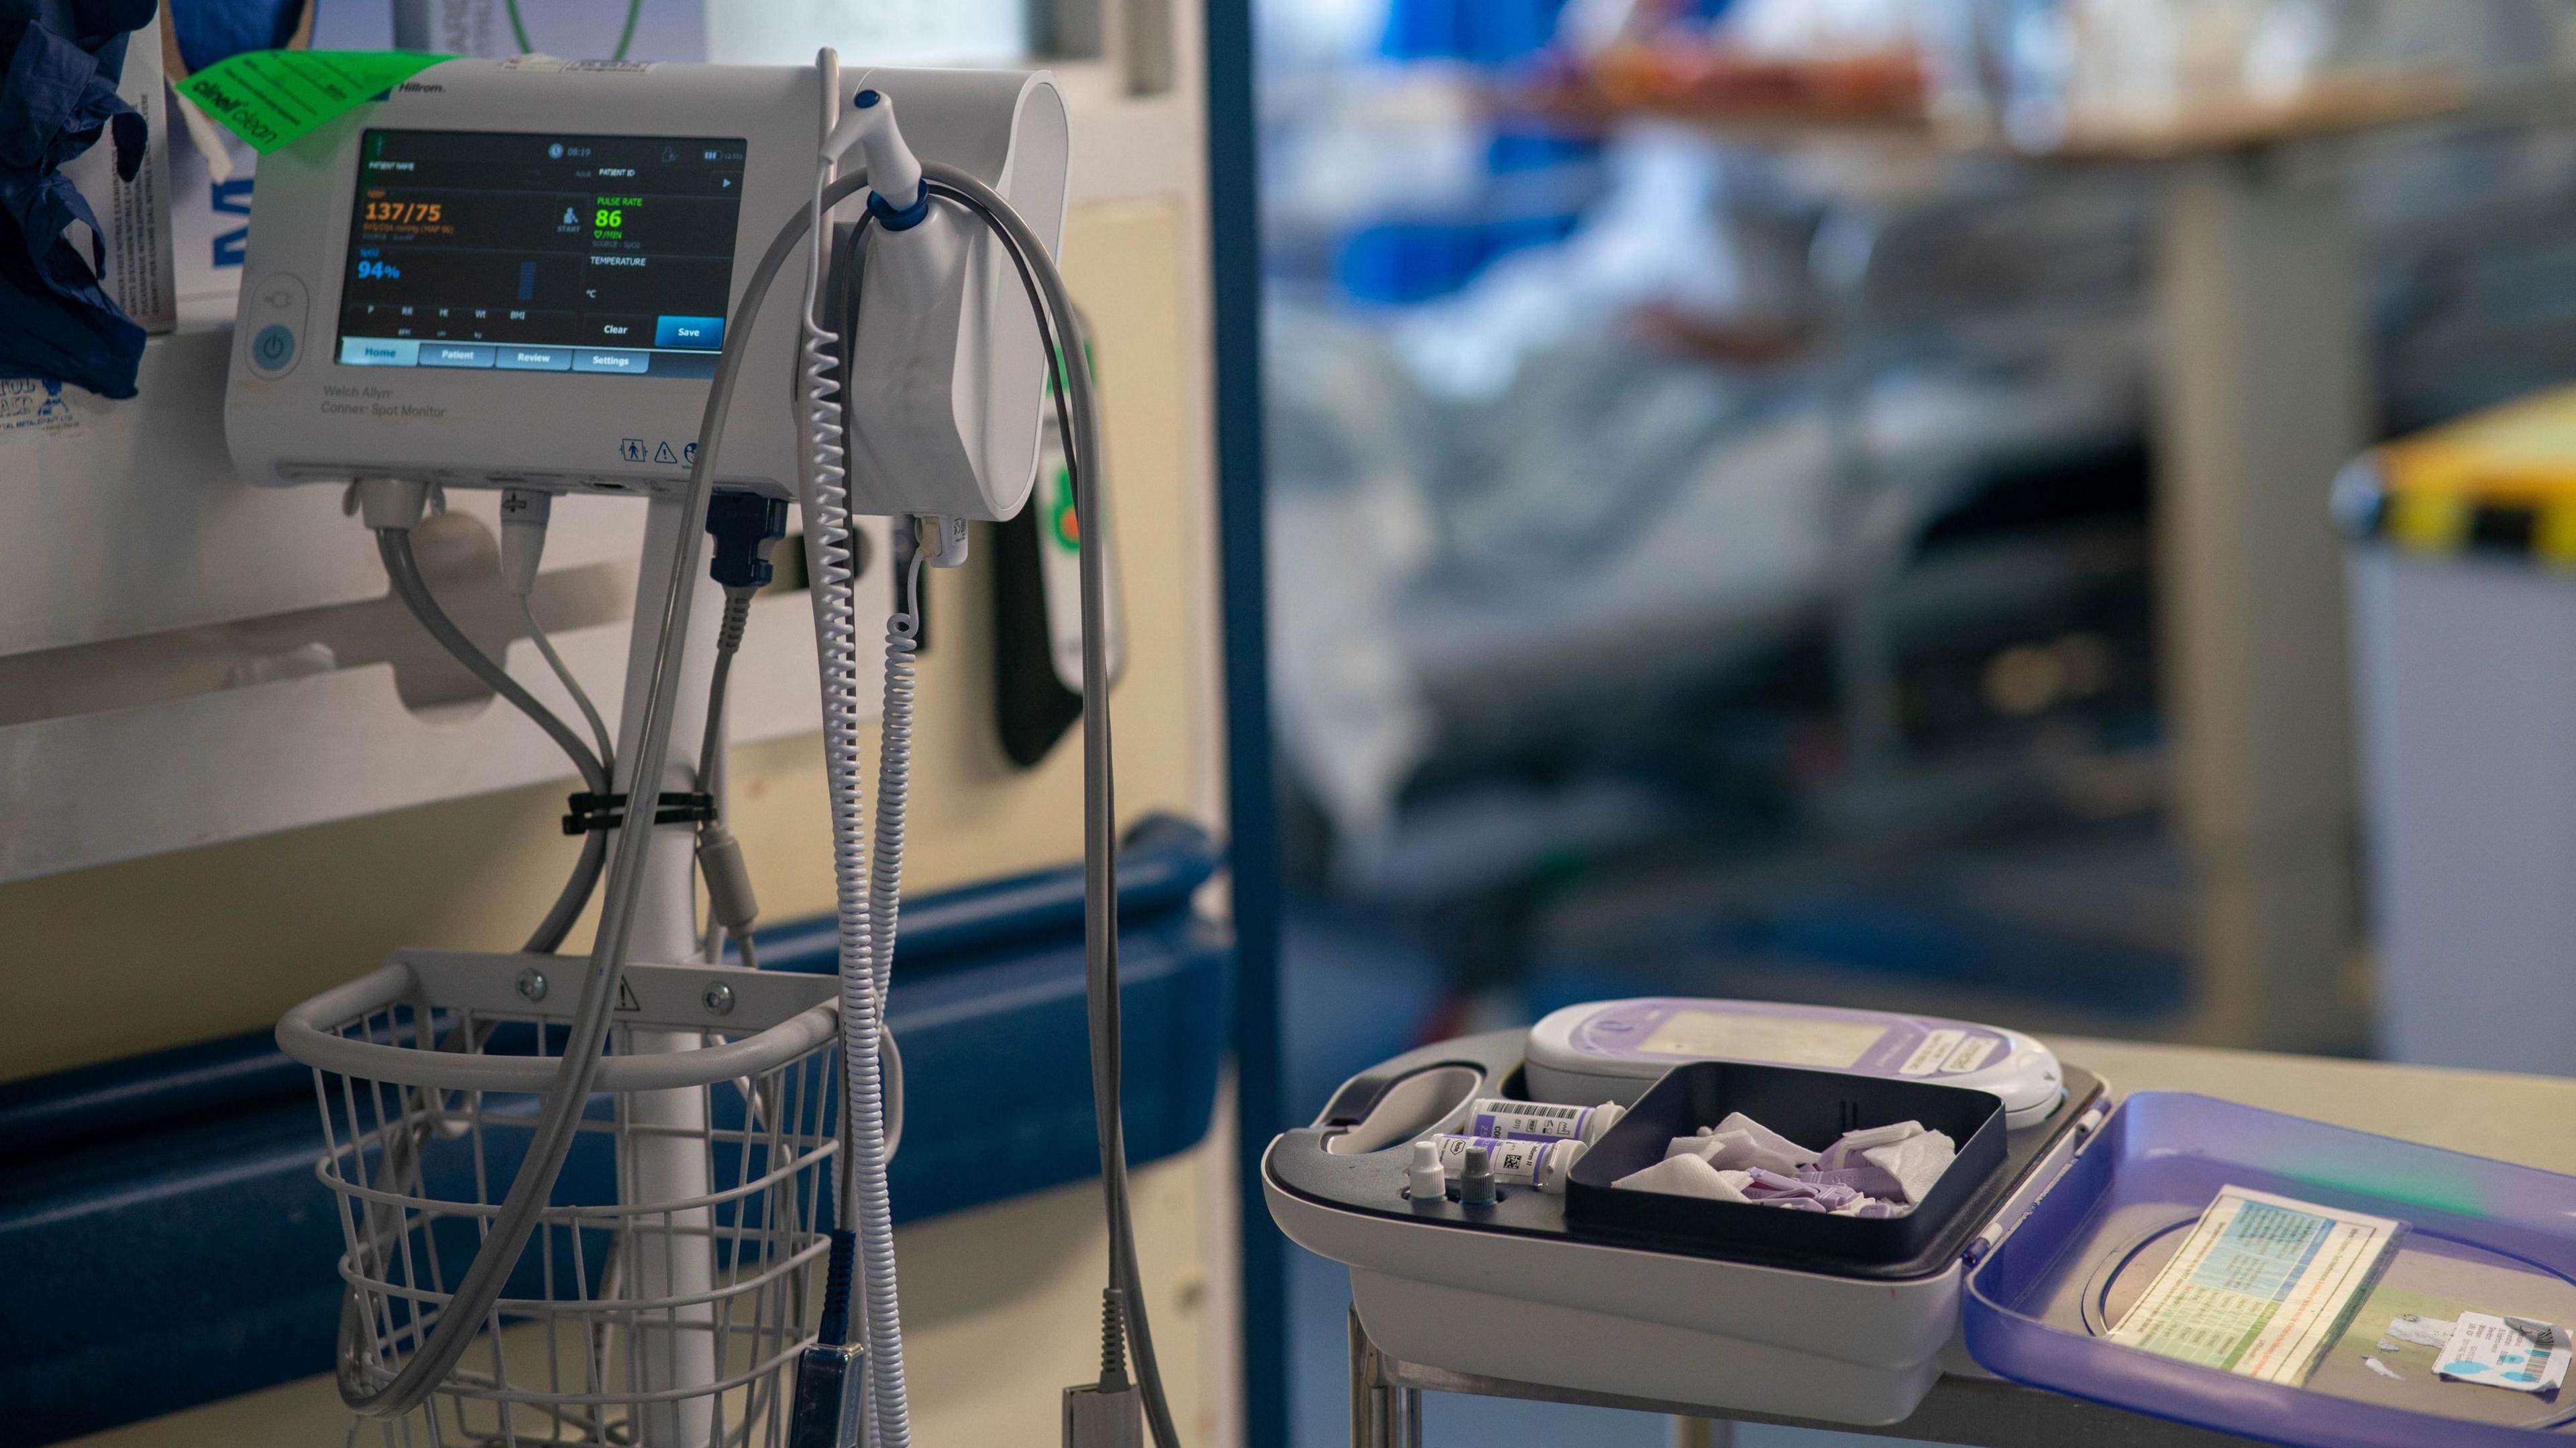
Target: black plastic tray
1812 1108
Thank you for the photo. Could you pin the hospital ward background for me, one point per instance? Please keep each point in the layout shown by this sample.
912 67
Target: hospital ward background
1873 504
2051 520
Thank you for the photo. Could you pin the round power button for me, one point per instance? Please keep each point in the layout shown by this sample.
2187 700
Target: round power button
273 347
273 315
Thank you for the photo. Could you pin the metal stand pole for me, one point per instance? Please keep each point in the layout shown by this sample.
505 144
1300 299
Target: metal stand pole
662 1142
1382 1414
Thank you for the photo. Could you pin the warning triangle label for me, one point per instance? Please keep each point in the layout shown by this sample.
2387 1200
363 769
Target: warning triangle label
663 454
626 1000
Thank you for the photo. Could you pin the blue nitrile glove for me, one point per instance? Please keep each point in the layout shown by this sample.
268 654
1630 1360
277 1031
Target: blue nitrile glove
57 96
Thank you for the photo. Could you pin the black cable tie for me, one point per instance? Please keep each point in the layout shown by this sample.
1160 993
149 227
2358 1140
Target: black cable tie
608 811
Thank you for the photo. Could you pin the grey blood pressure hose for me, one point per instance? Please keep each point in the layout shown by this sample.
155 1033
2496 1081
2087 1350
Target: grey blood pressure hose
1078 418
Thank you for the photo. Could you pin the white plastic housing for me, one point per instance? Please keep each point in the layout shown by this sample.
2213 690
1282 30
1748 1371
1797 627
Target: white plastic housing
1733 1336
947 370
315 420
1640 1323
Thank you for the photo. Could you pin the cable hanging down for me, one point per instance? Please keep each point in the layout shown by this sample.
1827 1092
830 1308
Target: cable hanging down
563 673
732 906
1077 416
402 1154
402 569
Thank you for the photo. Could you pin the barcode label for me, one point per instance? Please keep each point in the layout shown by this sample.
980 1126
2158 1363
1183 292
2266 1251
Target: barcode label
1512 1161
1528 1120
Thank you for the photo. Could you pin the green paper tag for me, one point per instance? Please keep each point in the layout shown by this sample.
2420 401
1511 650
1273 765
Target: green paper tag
270 97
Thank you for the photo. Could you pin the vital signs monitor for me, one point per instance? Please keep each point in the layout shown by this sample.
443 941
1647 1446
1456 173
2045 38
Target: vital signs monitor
550 277
502 281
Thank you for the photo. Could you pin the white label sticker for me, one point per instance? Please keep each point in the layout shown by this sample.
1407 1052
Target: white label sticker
1529 1120
1512 1161
2506 1352
1927 1057
30 406
1972 1053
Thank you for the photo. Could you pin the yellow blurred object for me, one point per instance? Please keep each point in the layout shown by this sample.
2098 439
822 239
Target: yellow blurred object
2523 452
2503 479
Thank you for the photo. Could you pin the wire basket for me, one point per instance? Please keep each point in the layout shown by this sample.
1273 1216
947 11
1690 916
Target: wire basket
666 1288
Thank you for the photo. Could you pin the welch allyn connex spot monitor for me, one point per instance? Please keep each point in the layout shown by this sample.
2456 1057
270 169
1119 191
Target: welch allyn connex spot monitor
1614 1050
520 276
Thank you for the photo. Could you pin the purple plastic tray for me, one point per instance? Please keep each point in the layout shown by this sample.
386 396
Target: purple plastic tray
2487 1236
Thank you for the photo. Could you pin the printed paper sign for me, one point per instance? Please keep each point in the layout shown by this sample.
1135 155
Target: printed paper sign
2262 1286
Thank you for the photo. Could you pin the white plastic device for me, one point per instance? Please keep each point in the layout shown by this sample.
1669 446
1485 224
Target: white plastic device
529 275
1614 1050
512 275
1612 1316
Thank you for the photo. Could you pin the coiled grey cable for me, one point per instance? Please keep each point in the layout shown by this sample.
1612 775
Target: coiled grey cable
1074 398
894 776
863 1204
